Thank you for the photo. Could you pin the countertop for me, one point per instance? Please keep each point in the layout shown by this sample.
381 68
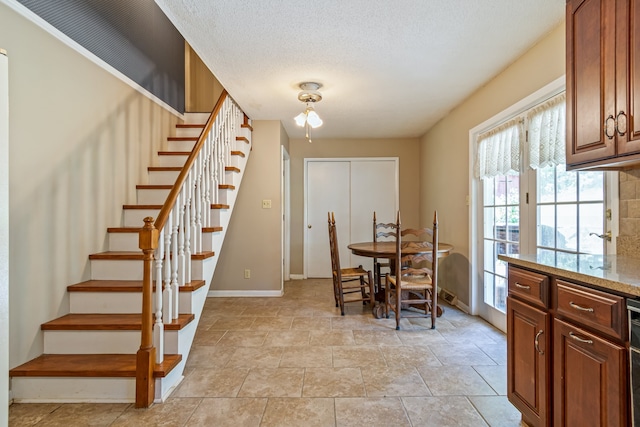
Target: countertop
617 273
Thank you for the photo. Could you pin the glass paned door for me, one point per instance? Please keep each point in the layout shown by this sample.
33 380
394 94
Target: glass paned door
501 234
570 214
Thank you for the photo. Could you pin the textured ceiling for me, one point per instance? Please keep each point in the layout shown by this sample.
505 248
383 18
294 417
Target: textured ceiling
389 68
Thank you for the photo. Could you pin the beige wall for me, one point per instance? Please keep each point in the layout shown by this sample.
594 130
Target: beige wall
445 150
79 141
254 238
628 240
407 150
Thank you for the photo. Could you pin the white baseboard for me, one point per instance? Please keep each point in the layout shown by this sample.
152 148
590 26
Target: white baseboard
238 293
463 307
296 276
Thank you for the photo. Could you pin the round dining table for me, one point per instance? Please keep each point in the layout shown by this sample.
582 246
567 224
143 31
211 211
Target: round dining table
387 250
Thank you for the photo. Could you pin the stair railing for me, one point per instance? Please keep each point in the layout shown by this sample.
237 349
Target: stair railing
177 233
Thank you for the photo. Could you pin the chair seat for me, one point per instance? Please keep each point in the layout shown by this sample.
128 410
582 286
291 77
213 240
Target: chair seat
353 272
415 283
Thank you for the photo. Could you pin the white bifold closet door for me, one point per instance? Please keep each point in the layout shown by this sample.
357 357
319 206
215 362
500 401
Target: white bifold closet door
353 189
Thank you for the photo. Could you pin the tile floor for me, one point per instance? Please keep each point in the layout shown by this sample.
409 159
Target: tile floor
294 361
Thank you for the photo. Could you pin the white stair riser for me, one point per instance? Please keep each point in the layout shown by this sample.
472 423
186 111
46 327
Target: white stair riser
91 342
119 302
123 241
190 132
146 196
172 160
80 389
181 145
116 269
135 217
196 118
163 177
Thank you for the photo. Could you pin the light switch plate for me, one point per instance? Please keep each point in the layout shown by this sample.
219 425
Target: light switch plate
266 204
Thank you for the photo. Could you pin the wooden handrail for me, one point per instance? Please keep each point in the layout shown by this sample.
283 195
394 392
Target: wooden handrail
175 191
148 242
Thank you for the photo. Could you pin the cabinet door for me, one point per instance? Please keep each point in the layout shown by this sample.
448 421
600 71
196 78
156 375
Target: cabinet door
628 76
591 85
589 376
528 357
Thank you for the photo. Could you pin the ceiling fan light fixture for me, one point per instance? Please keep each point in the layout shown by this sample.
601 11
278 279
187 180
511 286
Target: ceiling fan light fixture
309 118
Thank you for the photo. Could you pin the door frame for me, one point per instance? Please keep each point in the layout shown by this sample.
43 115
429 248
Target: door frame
285 207
305 195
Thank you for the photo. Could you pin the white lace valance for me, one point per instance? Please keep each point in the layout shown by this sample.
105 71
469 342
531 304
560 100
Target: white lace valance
547 133
499 150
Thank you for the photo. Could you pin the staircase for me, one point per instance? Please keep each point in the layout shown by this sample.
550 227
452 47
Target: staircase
90 353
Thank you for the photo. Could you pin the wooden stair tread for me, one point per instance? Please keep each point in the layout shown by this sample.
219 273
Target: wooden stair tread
124 229
90 365
237 153
242 138
138 255
124 286
164 168
231 169
174 153
219 206
211 229
153 187
109 322
142 207
189 126
226 187
247 126
183 138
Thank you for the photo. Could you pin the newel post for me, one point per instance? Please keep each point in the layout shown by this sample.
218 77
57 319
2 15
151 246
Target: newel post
146 356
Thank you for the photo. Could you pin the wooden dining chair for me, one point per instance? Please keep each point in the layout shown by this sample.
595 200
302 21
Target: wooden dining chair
414 286
385 231
348 281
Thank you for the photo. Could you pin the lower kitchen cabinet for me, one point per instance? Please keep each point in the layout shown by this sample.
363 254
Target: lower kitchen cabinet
528 360
589 377
567 362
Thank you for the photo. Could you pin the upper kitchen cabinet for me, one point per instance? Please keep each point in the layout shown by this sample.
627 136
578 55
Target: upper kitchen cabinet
603 83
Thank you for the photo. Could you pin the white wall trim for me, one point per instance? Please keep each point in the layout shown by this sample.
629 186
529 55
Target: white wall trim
240 293
62 37
296 277
553 88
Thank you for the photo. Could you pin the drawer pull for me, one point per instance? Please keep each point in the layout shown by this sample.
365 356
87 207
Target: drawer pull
536 341
577 307
582 340
518 285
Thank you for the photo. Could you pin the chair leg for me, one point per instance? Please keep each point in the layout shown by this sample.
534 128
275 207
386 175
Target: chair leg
398 292
372 294
434 308
362 290
386 298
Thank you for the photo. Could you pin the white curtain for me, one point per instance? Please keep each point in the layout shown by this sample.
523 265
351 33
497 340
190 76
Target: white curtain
547 133
499 150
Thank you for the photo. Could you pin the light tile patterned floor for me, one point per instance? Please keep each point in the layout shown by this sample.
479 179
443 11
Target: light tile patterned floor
294 361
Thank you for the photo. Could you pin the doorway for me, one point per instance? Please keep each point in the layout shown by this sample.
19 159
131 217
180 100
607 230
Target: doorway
353 189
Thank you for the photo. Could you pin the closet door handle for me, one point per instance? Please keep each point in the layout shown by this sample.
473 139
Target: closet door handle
621 123
612 127
579 339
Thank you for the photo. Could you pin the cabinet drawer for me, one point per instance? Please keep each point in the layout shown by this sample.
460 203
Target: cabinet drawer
532 287
598 310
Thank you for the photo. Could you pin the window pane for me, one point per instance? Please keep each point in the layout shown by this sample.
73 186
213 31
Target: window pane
488 288
513 229
513 189
566 185
500 293
591 187
546 226
488 223
591 221
489 255
501 190
501 268
566 231
513 248
488 189
546 256
546 184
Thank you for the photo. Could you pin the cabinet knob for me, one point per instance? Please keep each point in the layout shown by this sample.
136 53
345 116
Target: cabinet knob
610 126
621 123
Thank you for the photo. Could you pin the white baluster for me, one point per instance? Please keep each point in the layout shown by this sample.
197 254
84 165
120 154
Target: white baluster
167 314
158 326
175 292
182 229
187 227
